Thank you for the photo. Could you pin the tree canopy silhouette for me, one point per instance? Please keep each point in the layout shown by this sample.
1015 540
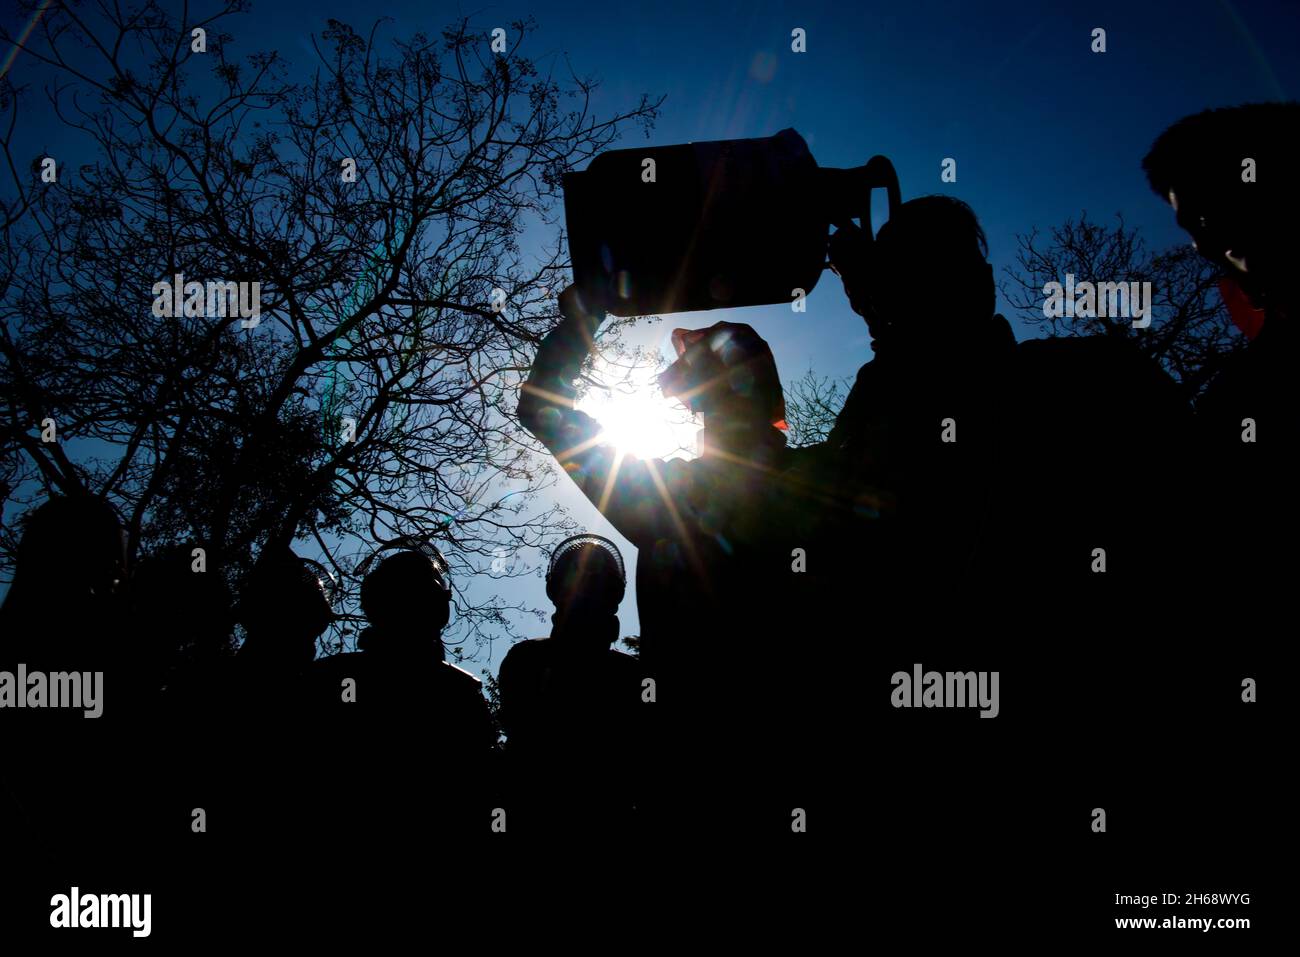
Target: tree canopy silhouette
379 198
1191 334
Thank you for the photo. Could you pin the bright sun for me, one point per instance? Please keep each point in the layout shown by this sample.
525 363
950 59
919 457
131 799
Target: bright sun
636 416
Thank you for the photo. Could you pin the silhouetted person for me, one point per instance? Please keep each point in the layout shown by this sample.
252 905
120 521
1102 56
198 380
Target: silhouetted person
720 602
400 722
63 615
1003 468
913 448
571 705
284 610
996 460
64 601
181 619
1228 175
249 708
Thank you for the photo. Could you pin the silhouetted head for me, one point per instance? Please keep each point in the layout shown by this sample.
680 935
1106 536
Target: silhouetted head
284 608
72 547
726 375
586 581
1228 175
408 595
925 278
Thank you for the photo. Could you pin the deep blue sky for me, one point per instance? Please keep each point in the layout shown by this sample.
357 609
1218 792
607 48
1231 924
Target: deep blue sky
1040 126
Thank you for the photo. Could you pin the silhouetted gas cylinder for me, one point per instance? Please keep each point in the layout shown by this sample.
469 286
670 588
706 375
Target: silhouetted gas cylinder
712 225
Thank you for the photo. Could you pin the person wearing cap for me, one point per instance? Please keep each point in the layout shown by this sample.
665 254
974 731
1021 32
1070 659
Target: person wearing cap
720 595
571 704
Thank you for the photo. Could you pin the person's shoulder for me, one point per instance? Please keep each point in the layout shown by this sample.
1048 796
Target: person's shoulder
527 648
525 654
623 662
865 382
1081 348
991 340
1063 363
343 660
1245 382
458 676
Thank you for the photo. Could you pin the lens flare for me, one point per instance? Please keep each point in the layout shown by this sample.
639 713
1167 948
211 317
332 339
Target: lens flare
634 414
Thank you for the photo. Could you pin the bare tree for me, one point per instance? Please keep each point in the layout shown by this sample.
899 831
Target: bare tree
379 203
1190 335
812 403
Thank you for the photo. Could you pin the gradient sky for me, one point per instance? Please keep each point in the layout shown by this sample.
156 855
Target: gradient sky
1041 127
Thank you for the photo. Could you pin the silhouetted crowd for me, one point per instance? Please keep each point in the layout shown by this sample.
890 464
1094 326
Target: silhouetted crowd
1045 490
